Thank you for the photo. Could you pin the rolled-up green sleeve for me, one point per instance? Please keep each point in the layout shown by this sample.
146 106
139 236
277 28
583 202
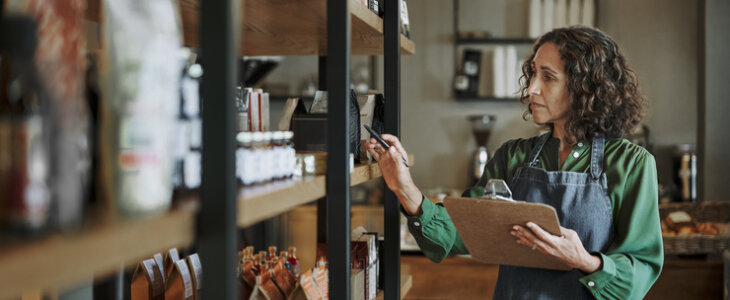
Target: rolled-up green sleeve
435 232
635 259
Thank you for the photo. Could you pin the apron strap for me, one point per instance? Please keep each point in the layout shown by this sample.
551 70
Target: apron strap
532 161
597 156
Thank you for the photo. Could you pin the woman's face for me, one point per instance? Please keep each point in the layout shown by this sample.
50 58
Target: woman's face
548 88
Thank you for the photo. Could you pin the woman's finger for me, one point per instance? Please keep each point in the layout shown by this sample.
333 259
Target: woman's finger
394 142
374 153
542 234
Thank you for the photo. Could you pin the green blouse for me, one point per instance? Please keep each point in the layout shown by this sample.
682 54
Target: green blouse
634 260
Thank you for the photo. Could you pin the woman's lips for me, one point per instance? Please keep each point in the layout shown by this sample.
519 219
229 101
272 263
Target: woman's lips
533 105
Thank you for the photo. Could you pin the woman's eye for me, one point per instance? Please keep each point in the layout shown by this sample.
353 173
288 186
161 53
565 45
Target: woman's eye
547 77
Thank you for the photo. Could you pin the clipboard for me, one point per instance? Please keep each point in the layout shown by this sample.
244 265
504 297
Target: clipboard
484 225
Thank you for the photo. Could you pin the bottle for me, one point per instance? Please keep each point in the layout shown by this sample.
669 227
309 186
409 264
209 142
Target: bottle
278 155
290 155
257 155
267 158
24 155
272 254
244 161
284 257
293 260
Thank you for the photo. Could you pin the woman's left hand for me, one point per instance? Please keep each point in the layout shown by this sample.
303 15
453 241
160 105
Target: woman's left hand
567 248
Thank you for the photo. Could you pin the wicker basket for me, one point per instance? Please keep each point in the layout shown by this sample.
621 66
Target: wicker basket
717 213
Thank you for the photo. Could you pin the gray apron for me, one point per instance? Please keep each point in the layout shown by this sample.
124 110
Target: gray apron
582 203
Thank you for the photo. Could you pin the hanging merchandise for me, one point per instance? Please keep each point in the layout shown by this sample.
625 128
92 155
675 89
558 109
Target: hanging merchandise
141 102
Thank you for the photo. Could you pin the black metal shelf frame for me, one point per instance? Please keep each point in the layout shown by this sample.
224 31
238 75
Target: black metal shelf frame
217 219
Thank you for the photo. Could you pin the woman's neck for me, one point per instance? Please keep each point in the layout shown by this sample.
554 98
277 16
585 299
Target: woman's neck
565 145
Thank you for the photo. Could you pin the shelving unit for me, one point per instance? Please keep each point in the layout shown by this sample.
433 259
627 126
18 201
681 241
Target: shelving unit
259 203
332 28
99 250
269 27
487 41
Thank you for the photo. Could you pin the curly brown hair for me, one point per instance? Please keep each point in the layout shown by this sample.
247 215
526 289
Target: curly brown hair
603 90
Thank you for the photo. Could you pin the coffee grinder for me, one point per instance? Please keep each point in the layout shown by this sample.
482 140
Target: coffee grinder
482 126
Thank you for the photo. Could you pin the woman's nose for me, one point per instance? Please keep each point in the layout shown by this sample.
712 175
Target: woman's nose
533 88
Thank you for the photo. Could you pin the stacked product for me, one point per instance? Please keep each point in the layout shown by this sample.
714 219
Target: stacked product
167 277
264 156
267 276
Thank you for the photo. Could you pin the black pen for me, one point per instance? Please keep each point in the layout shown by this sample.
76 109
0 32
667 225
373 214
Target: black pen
382 142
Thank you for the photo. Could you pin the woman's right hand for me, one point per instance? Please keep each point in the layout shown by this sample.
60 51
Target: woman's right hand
396 174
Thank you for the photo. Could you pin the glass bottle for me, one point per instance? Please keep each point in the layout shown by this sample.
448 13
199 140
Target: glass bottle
24 156
293 260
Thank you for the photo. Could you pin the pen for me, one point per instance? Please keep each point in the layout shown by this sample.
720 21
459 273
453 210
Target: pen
382 142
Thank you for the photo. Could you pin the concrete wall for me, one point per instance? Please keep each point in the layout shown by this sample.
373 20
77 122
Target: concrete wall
659 39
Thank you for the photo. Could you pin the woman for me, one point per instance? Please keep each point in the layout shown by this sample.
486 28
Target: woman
603 188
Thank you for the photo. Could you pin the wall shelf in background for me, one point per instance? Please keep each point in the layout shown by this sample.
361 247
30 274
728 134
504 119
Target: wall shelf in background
101 249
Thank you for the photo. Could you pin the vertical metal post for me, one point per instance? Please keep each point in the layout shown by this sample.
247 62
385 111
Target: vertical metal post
338 149
391 28
322 203
217 220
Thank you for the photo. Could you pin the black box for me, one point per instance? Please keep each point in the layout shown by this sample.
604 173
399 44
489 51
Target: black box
310 132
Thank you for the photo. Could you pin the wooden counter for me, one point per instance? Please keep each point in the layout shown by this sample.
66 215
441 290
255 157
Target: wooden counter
464 278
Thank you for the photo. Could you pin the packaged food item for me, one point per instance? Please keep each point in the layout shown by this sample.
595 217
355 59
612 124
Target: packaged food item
59 70
180 283
142 40
196 271
679 219
24 136
171 256
160 265
147 282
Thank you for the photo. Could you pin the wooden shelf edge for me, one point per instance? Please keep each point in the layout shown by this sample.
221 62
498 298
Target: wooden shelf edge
64 260
406 283
367 30
259 203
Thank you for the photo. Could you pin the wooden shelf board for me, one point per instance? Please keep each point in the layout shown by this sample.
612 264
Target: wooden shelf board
65 259
406 282
258 203
287 27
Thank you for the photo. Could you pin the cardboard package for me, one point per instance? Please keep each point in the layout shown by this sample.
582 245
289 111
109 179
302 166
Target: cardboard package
180 283
171 256
147 282
364 255
196 271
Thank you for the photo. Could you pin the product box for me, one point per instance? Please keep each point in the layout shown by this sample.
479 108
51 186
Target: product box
147 282
180 283
364 255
